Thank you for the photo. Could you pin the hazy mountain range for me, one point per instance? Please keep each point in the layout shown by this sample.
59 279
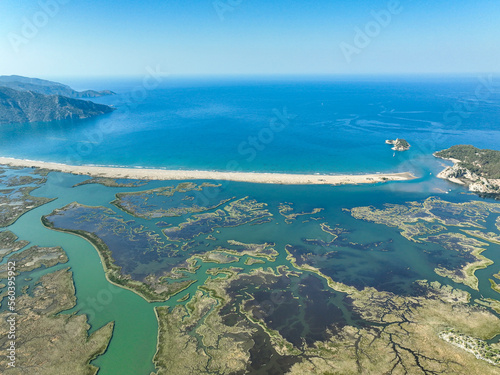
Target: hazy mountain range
25 99
42 86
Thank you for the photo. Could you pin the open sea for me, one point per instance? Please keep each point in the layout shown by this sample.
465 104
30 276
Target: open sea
314 125
320 125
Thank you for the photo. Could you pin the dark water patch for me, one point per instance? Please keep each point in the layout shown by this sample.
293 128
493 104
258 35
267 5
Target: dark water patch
300 310
321 313
318 243
449 259
272 301
386 246
394 280
384 271
169 201
163 224
263 357
138 250
240 212
230 319
264 360
281 312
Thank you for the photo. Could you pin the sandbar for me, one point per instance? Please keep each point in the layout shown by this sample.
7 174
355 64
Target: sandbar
165 174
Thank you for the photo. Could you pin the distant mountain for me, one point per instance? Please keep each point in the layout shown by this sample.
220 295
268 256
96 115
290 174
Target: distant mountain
42 86
27 106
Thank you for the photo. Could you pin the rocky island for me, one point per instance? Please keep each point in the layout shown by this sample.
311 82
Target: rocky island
399 144
477 169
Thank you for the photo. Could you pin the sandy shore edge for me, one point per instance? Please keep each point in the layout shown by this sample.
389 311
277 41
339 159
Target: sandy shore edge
164 174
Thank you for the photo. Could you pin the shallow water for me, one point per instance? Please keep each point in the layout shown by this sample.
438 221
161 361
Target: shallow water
133 345
340 127
329 125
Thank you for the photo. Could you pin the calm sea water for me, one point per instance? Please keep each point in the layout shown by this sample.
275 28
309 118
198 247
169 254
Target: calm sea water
332 126
328 125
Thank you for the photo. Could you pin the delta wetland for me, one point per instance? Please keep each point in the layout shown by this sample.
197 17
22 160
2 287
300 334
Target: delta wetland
241 275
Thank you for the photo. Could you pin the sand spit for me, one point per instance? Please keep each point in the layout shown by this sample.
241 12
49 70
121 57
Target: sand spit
255 177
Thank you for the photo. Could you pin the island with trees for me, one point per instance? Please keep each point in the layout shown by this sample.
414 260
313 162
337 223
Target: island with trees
398 144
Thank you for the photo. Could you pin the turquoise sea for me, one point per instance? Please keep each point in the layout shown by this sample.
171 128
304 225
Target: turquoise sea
328 125
321 124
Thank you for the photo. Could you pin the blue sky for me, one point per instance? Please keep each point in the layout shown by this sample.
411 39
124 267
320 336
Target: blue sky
205 37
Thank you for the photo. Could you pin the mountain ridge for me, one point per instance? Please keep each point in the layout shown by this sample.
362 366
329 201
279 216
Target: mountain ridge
17 106
42 86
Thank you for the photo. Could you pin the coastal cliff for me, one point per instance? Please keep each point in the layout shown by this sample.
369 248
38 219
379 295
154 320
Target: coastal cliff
45 87
477 169
27 106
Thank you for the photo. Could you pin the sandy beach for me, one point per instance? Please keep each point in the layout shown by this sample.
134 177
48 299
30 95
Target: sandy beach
164 174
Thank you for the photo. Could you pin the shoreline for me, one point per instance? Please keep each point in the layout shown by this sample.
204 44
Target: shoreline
253 177
443 174
475 183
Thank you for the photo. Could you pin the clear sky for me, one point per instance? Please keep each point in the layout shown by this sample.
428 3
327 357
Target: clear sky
56 38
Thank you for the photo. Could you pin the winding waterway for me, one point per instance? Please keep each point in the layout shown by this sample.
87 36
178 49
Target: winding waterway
133 345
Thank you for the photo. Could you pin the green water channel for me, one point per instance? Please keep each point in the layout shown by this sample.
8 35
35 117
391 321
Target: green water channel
134 339
133 345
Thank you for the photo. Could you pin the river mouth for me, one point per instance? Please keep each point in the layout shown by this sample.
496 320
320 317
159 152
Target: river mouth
251 235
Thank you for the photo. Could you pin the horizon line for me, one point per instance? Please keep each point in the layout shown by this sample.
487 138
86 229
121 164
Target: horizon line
262 75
